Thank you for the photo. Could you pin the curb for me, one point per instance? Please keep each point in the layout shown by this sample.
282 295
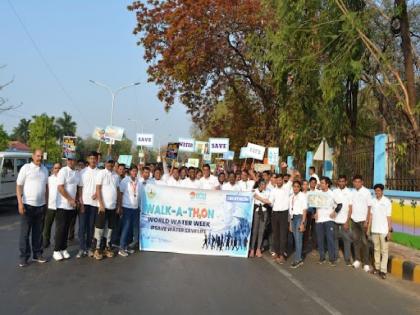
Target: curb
404 269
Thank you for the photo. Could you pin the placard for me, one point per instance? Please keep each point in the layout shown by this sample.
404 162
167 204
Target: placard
255 151
273 156
207 157
125 159
98 134
114 132
69 146
244 153
201 147
218 145
193 162
229 155
186 145
145 139
172 150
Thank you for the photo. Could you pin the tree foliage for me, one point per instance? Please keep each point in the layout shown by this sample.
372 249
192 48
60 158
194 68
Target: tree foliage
4 139
43 136
21 131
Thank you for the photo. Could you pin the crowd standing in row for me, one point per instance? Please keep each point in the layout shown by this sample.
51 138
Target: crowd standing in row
107 204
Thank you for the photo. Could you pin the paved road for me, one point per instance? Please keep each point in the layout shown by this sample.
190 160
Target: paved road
161 283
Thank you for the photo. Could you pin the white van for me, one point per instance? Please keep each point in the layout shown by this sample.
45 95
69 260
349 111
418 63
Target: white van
10 164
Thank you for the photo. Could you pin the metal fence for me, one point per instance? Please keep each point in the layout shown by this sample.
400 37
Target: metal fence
403 169
356 159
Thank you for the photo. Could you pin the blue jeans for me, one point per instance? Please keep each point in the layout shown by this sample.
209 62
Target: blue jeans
128 219
340 232
298 236
135 232
87 226
31 222
326 230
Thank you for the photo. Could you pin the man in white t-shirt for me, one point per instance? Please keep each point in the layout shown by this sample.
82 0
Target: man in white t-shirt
325 225
107 182
208 181
312 173
343 194
173 178
68 179
190 181
245 183
32 195
380 226
359 214
88 205
231 184
52 207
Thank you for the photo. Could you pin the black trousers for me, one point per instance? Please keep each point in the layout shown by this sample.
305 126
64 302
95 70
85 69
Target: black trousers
109 216
48 222
63 219
280 227
31 225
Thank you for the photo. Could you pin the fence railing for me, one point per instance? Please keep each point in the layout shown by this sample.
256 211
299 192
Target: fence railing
403 165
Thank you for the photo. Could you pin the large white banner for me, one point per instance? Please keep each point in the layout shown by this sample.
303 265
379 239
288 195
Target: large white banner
255 151
218 145
145 139
186 145
193 221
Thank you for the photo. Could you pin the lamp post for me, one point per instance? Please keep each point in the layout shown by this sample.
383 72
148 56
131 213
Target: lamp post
113 96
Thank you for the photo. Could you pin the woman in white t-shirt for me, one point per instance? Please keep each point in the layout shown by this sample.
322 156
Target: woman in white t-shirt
380 227
261 202
128 205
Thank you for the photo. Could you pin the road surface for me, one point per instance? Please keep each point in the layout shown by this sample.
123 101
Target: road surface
163 283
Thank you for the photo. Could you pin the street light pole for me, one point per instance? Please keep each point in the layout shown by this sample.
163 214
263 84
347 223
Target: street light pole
113 95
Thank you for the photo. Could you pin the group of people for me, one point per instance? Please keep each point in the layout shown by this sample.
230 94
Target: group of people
106 201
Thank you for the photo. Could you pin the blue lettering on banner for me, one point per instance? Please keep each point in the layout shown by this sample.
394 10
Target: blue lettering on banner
236 198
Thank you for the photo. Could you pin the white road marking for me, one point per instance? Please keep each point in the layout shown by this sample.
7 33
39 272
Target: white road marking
9 227
320 301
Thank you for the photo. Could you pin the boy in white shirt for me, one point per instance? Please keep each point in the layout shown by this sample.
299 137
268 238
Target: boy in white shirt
52 207
231 184
245 183
191 181
359 213
298 205
380 227
208 181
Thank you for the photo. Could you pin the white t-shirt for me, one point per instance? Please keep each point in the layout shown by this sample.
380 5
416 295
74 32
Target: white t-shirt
130 192
88 181
34 180
330 203
171 181
210 182
280 197
360 201
229 187
160 182
52 192
297 203
188 183
246 185
381 209
109 181
343 196
263 194
70 179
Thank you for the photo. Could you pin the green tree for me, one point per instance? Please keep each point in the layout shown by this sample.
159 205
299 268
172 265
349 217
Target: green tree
65 126
4 139
21 131
43 135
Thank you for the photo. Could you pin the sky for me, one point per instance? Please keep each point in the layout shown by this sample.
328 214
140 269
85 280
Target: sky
70 43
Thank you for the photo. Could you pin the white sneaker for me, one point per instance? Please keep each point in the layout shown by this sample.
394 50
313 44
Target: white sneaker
366 268
65 254
356 264
57 256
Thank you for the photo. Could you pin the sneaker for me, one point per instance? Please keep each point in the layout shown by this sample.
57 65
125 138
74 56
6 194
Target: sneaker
333 263
81 253
65 254
90 253
297 264
98 255
130 251
122 253
382 275
133 245
40 259
109 252
321 261
23 263
366 268
356 264
375 271
348 263
57 256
